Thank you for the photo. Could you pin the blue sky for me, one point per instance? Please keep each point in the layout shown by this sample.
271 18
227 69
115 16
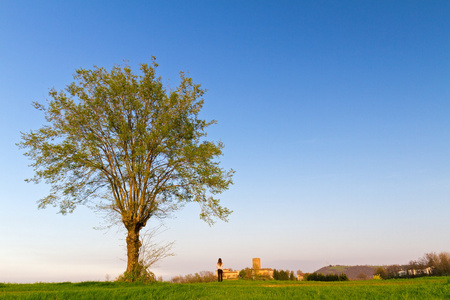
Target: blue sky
334 115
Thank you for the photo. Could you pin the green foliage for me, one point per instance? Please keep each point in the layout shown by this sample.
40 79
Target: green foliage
125 138
260 276
251 274
328 277
276 274
291 276
246 274
283 275
381 272
90 283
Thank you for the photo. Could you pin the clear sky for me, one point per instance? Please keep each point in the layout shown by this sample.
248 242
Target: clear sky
334 114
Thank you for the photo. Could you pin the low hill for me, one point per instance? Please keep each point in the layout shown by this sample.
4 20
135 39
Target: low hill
352 272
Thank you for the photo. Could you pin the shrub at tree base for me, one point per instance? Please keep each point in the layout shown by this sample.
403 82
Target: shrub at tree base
139 274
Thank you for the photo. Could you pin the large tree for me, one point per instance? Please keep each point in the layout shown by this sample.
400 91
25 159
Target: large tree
131 146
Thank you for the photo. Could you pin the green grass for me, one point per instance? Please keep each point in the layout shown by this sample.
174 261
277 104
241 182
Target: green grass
419 288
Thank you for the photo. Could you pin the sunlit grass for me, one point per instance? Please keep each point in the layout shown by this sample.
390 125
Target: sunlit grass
419 288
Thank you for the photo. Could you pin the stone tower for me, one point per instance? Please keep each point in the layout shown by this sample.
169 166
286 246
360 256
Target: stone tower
256 263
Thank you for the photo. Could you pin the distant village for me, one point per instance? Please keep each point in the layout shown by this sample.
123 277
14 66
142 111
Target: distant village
431 264
255 272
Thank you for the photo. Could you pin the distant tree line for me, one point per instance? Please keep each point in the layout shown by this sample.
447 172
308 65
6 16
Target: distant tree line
328 277
283 275
431 264
250 274
203 276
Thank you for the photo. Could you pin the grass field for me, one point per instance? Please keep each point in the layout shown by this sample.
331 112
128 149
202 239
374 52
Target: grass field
419 288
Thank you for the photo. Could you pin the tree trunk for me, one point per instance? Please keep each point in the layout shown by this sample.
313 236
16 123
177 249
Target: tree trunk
133 246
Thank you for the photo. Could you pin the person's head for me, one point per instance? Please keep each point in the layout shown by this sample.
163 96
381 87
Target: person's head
219 261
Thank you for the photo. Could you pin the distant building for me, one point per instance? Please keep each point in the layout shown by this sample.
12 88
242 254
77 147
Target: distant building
415 272
257 271
256 263
229 274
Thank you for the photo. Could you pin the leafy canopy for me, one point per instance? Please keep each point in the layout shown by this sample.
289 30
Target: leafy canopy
128 144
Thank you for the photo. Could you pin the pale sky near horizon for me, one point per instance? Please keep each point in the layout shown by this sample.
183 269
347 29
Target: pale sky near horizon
334 115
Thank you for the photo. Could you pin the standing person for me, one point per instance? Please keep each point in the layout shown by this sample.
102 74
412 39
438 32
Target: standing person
219 267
